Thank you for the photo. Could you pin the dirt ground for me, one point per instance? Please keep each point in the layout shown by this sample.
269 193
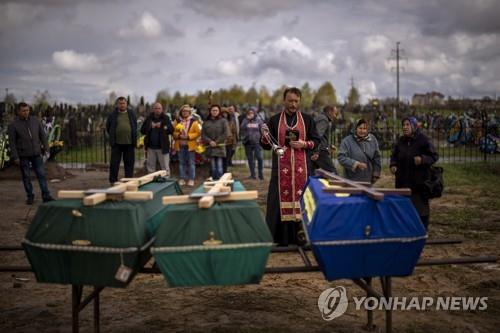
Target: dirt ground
280 303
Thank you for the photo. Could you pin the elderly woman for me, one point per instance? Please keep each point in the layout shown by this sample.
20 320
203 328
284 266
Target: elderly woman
215 132
411 159
186 132
359 155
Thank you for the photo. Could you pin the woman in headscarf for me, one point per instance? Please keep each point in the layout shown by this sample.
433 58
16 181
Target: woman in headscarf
186 131
411 159
359 154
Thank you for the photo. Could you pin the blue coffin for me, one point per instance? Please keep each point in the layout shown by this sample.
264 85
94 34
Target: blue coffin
353 236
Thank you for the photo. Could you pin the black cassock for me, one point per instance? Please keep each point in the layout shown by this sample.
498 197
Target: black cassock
284 230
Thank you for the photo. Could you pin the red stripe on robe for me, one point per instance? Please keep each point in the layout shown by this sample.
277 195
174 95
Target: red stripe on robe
292 170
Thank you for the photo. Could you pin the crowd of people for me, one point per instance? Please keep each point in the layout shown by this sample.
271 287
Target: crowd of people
301 143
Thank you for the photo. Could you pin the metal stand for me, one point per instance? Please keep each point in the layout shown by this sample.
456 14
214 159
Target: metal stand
76 297
366 283
78 305
386 282
370 326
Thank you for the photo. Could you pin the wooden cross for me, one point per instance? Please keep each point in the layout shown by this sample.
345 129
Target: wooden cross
217 191
126 189
134 183
346 186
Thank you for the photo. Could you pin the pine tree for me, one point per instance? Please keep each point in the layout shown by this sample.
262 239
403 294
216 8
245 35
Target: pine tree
325 96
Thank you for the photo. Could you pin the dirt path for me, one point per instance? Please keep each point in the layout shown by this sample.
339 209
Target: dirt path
281 303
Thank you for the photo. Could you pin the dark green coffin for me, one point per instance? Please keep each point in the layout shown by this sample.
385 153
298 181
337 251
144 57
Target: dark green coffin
184 260
117 232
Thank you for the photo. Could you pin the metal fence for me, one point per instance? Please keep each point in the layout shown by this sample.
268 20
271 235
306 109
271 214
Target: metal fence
87 149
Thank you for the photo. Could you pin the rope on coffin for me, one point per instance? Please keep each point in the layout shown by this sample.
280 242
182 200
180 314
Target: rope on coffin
219 191
188 248
88 248
126 189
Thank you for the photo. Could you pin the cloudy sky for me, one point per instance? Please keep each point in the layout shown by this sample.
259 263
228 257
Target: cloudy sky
80 51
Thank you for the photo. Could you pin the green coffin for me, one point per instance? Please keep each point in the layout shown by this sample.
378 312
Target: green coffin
117 234
184 260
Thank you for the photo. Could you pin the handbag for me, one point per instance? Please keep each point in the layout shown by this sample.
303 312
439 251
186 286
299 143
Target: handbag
434 186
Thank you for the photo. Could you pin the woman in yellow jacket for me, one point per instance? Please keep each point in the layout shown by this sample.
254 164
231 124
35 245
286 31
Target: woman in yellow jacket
187 130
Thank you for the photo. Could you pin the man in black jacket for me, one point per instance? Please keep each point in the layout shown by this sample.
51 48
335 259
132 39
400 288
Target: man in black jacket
157 127
121 127
28 142
322 157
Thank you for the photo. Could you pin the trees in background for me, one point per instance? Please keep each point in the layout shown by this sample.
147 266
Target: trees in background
307 96
353 98
260 97
41 100
252 96
264 97
325 95
163 97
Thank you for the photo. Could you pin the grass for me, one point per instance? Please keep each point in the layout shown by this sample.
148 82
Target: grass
487 176
470 205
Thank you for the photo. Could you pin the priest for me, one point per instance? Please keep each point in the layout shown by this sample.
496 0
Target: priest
293 137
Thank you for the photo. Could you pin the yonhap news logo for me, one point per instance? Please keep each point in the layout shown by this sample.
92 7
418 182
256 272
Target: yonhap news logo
448 303
333 303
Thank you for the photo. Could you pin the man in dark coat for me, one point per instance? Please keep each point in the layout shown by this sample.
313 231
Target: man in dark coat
322 157
411 159
28 142
121 127
296 134
157 128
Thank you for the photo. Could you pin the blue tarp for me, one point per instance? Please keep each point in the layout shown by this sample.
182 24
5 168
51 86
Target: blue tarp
355 236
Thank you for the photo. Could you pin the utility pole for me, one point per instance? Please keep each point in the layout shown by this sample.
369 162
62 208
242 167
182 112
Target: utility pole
397 73
396 55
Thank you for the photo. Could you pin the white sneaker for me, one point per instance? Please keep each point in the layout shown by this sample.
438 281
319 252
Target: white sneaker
182 182
190 182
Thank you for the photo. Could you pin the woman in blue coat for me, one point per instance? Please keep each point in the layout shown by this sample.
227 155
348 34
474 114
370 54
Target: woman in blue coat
359 155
